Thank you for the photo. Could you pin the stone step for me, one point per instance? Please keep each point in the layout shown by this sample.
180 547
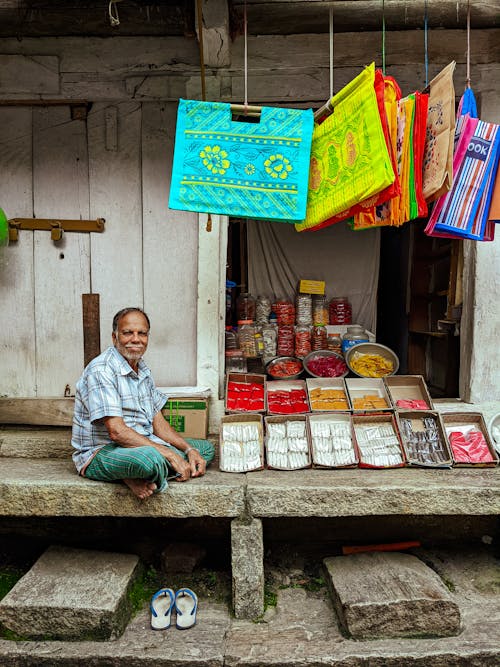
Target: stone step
390 595
35 442
301 631
71 594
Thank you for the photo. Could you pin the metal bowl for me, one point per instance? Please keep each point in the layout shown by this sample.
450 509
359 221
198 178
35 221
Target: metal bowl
372 348
322 354
494 429
276 360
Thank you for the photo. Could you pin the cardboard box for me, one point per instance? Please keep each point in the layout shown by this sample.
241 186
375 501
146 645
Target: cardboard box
441 458
459 421
408 387
187 416
340 455
324 384
273 458
312 287
242 460
358 388
376 420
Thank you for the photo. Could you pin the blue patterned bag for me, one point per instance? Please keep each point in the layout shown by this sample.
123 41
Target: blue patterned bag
252 170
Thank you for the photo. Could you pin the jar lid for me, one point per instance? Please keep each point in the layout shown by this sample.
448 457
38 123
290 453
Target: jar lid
241 322
234 353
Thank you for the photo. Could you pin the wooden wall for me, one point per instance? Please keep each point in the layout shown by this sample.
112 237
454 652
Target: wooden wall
116 164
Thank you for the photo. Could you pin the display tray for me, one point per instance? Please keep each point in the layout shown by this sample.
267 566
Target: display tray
237 449
408 388
465 422
283 397
361 388
369 425
337 449
425 443
320 400
290 451
241 400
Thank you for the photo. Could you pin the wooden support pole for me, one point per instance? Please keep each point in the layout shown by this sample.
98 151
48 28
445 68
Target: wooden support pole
91 327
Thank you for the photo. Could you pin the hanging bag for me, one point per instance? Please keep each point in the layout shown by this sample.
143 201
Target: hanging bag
438 156
253 170
349 157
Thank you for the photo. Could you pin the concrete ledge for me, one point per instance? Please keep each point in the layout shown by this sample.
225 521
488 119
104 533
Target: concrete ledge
336 493
47 487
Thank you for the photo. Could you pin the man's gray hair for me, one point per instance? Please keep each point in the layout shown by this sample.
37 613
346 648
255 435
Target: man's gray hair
125 311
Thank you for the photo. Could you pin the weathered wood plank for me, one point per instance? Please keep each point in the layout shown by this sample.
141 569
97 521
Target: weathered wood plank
62 269
37 411
29 74
115 185
170 265
91 327
16 267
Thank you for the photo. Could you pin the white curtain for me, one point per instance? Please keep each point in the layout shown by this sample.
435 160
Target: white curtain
278 257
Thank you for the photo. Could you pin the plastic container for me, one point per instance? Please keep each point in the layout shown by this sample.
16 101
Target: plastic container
302 341
270 338
231 339
248 341
353 336
245 307
235 361
319 310
285 312
286 341
334 343
339 310
262 310
319 338
303 310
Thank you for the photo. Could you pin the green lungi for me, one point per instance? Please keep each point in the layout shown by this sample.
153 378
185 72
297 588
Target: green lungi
113 463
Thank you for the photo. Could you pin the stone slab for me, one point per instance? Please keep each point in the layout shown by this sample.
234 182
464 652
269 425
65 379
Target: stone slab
247 565
337 493
71 594
49 487
379 595
35 442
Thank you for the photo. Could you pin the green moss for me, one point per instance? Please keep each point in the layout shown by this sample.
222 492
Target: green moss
8 578
142 589
270 598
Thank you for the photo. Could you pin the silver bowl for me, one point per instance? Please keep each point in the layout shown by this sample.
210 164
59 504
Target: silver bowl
295 376
372 348
321 354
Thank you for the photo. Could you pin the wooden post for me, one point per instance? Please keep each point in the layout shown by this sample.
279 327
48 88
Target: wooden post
91 327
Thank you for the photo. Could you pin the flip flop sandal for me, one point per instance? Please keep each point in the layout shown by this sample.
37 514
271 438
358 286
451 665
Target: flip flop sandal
186 606
161 607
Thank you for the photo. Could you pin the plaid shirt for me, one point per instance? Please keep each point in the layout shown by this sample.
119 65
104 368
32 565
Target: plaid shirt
109 387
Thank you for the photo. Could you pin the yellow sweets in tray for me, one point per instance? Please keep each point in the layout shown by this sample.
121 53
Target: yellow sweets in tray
328 399
369 402
371 365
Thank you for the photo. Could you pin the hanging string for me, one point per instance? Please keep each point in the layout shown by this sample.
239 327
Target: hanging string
467 81
331 51
383 37
245 103
426 51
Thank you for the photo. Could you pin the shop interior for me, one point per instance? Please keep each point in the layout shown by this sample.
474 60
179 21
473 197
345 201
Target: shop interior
404 286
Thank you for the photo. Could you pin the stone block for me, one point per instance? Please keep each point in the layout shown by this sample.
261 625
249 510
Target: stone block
387 595
71 594
247 561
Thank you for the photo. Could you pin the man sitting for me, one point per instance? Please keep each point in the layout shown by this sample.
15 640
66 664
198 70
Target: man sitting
119 432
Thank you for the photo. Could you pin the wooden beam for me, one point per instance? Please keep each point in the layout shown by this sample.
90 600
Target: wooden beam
91 327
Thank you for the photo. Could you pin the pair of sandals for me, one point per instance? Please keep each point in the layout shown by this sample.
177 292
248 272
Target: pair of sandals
184 602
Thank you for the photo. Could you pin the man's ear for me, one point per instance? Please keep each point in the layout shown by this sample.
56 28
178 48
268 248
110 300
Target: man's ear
113 338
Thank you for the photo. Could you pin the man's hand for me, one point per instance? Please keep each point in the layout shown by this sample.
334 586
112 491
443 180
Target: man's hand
197 463
178 464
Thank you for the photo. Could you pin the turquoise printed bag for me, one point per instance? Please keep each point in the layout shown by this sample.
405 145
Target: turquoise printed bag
251 170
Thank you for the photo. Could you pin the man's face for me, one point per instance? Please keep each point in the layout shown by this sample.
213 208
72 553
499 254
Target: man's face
131 340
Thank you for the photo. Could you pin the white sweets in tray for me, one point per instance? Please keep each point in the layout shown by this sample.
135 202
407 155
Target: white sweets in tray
378 444
332 442
241 446
286 444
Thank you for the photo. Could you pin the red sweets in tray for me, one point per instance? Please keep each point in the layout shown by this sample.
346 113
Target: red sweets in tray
245 396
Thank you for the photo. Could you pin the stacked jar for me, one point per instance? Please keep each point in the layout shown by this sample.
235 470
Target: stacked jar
340 310
302 340
319 310
249 339
245 307
319 338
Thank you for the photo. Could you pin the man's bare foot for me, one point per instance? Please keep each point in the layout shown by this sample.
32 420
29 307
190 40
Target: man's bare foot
141 487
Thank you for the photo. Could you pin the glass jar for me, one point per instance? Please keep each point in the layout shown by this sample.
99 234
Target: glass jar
286 341
259 340
245 307
285 312
340 310
235 362
303 310
270 337
319 338
262 310
248 341
231 339
319 310
334 343
302 341
354 335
